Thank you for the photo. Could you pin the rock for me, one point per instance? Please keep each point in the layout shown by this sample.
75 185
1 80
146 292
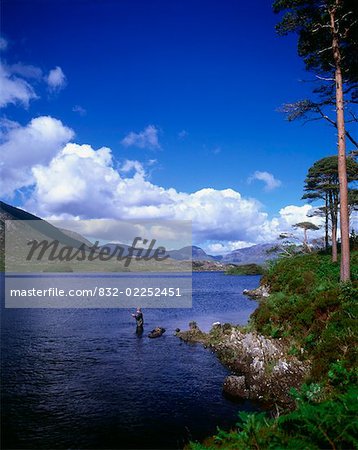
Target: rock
261 292
194 334
227 327
262 367
157 332
268 370
235 387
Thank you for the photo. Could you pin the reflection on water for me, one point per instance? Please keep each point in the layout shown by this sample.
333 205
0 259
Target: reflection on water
85 379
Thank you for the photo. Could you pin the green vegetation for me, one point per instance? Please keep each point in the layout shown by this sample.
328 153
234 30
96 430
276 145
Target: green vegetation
330 54
316 315
245 269
309 307
328 425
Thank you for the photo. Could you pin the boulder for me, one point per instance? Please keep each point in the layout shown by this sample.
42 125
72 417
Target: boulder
157 332
194 334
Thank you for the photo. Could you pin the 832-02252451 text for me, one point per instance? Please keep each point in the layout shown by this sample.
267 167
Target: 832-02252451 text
99 292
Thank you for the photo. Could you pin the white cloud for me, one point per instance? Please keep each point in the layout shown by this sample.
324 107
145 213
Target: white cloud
71 180
148 138
135 166
22 148
14 90
83 182
56 79
290 215
25 70
14 81
270 181
293 214
221 248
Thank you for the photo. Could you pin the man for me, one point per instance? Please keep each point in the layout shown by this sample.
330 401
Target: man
139 319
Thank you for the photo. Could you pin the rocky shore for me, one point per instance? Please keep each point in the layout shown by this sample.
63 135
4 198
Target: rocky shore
259 293
262 368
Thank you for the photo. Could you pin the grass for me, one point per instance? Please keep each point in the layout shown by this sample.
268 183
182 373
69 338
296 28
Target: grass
317 316
309 307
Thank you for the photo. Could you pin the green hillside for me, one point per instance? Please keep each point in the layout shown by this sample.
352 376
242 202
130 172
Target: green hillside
317 316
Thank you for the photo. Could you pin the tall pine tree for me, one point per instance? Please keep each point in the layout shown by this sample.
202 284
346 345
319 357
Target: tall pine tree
327 41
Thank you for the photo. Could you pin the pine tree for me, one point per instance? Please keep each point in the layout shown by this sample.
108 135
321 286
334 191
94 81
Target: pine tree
327 41
322 183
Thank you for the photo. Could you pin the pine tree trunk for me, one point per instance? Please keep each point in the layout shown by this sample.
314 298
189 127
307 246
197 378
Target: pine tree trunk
334 242
342 167
333 208
326 242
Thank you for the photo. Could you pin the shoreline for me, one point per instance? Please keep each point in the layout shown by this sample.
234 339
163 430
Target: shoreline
262 369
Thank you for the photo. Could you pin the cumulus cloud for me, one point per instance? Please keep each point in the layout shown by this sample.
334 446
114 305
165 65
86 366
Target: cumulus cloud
21 148
56 79
148 138
14 90
84 182
15 81
293 214
69 180
221 248
270 181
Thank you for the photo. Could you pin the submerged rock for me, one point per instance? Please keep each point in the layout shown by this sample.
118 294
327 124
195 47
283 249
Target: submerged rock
157 332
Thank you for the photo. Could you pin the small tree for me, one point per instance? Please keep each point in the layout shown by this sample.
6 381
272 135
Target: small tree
306 226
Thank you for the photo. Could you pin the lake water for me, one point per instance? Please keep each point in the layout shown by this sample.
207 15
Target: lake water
83 378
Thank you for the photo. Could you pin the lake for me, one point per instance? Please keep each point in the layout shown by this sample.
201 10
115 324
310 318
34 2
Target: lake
83 379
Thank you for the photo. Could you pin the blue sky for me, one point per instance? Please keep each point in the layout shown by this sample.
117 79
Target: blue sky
203 79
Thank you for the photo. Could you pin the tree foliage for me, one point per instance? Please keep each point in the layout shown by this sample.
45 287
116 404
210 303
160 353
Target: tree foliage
327 41
311 21
322 183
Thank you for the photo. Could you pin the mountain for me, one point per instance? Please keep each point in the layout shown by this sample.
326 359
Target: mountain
40 227
190 252
183 254
256 254
77 236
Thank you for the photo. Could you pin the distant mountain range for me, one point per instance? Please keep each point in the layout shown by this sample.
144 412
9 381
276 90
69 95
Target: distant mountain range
256 254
